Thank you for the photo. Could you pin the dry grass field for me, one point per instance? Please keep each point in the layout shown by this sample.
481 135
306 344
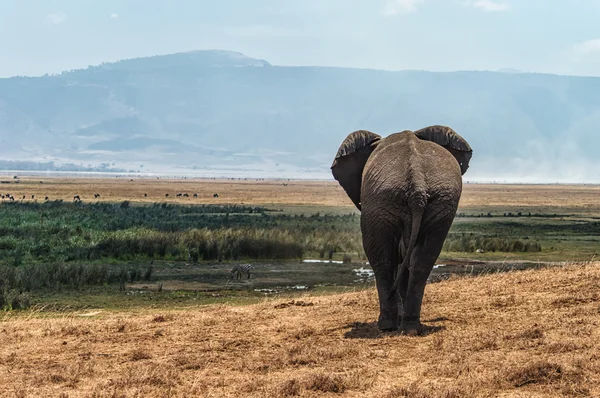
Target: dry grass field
249 192
519 334
295 192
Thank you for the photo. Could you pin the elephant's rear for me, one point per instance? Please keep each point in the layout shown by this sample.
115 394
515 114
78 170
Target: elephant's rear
444 185
405 175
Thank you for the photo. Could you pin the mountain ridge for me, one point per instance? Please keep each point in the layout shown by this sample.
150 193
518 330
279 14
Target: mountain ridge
223 111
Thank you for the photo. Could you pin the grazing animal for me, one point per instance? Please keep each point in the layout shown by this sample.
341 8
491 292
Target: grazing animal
32 196
238 269
186 195
179 195
46 198
166 195
195 195
76 198
24 196
407 187
145 195
96 195
12 198
216 195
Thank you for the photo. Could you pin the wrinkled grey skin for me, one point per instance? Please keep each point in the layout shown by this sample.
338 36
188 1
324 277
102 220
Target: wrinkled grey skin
407 187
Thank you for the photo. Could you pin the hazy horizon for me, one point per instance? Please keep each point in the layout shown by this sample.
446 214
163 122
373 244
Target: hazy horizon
170 114
532 120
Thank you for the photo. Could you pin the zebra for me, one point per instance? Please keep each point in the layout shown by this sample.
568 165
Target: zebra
238 269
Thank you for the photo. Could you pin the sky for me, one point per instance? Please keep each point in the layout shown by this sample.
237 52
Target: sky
547 36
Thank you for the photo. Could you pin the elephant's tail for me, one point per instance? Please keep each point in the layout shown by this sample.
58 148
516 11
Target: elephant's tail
417 217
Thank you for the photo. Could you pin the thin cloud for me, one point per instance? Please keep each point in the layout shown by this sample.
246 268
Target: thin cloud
114 15
395 7
588 47
491 5
57 17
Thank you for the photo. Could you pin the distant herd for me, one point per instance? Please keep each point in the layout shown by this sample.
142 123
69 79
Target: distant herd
77 198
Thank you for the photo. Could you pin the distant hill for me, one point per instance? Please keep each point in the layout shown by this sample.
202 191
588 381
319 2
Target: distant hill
509 70
224 112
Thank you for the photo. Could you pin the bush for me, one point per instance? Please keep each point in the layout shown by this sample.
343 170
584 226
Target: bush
55 275
470 243
13 300
73 232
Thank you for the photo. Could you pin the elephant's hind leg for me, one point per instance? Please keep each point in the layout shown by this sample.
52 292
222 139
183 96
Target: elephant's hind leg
381 248
424 256
402 289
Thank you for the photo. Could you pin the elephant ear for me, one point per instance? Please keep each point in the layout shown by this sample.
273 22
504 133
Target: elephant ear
350 160
451 140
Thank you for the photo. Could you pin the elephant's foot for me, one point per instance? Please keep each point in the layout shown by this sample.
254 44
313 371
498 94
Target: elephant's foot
387 324
412 327
411 330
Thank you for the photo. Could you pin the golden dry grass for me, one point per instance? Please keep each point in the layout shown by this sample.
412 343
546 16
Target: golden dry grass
251 192
520 334
541 196
297 192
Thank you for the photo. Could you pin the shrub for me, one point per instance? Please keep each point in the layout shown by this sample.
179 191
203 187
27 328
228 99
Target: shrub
470 243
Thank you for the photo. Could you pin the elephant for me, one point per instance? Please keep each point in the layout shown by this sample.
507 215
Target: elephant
407 187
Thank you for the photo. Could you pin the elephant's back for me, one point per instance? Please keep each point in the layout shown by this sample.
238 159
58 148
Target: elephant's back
404 167
405 153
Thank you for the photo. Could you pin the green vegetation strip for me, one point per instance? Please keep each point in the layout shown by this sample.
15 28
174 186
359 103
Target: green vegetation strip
59 245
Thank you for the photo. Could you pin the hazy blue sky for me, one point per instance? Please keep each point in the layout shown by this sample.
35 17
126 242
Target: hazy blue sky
554 36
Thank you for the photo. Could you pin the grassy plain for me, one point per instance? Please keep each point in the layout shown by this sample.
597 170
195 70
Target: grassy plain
133 229
131 300
517 334
563 219
309 195
250 192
